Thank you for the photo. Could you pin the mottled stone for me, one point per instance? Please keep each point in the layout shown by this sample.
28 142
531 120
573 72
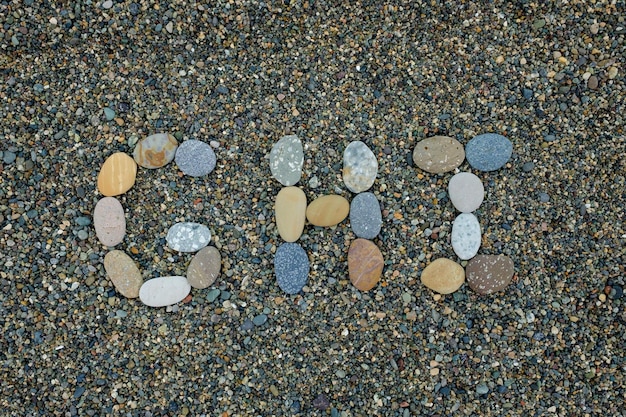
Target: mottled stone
291 266
443 276
204 268
487 274
286 160
124 273
466 236
327 210
109 221
488 152
438 154
360 167
365 217
466 192
290 210
188 237
195 158
117 175
155 151
365 264
164 291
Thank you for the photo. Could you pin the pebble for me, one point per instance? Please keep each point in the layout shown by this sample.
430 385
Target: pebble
109 221
195 158
259 320
360 167
155 151
291 266
327 210
438 154
164 291
487 274
365 216
528 166
117 175
109 114
124 273
188 237
290 211
204 268
466 236
488 152
286 160
466 192
9 157
443 275
593 82
365 264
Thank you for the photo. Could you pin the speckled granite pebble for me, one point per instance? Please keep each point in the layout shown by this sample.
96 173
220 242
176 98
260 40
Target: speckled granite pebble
365 216
286 159
360 167
188 237
488 152
291 266
466 236
487 274
195 158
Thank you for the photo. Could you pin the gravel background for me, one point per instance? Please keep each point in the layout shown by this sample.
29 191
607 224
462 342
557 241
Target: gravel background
79 83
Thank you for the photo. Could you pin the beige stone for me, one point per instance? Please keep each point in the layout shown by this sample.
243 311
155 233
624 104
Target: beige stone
124 273
438 154
290 210
365 264
327 210
204 268
443 276
117 174
109 221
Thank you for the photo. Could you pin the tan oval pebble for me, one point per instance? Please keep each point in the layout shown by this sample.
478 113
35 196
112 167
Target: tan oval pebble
117 174
204 268
290 210
164 291
365 264
109 221
443 276
487 274
327 210
156 150
438 154
124 273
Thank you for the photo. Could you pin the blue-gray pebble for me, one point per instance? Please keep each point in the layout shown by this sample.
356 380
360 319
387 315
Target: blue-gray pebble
488 152
195 158
291 265
365 216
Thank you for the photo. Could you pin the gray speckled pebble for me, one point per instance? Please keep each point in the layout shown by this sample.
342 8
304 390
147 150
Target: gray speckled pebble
466 236
291 265
286 160
188 237
360 167
195 158
365 216
488 152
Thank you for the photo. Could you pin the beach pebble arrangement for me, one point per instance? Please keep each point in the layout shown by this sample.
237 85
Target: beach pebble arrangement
485 274
360 167
117 176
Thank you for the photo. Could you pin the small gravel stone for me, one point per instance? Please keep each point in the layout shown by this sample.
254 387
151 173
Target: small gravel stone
528 166
260 320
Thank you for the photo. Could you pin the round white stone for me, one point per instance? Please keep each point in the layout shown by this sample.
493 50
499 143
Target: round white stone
466 236
360 167
466 192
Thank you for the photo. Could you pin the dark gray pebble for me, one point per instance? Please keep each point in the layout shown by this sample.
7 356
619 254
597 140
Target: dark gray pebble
544 197
247 325
321 402
488 152
528 166
365 216
291 266
260 320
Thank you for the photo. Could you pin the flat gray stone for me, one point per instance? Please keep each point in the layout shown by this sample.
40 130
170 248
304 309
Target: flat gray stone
188 237
164 291
488 152
360 167
466 192
466 236
195 158
291 266
366 219
286 160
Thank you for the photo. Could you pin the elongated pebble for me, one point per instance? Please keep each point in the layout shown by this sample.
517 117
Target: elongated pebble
290 210
466 236
164 291
286 160
204 268
360 167
109 221
123 272
117 175
291 266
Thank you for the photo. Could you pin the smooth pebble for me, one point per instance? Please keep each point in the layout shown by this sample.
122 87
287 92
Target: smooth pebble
109 221
204 268
290 211
117 175
123 272
286 160
487 274
291 266
327 210
466 192
164 291
195 158
443 275
365 216
188 237
466 236
488 152
360 167
155 151
438 154
365 264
